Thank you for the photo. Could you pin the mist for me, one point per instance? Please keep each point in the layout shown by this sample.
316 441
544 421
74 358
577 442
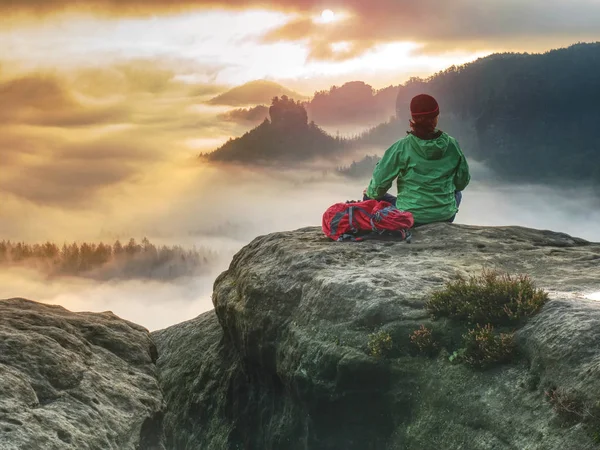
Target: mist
153 304
221 209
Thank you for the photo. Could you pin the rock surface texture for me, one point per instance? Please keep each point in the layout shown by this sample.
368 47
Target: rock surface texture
78 381
283 361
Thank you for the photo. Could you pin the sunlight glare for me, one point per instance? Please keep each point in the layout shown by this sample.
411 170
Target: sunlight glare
594 296
327 16
341 46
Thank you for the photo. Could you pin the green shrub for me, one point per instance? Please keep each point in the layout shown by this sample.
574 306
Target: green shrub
492 297
483 348
424 340
380 344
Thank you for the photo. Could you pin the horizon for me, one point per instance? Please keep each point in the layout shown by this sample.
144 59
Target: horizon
402 82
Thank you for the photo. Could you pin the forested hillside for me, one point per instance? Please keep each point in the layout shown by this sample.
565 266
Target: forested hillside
287 137
528 116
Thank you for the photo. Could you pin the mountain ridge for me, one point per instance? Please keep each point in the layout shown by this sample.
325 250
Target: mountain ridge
253 93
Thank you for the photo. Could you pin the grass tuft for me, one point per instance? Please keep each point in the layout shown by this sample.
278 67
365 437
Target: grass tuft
492 297
380 344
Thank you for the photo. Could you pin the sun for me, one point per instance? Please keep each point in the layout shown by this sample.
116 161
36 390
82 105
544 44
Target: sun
328 16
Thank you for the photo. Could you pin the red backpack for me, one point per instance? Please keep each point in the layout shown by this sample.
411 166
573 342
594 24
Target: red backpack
356 221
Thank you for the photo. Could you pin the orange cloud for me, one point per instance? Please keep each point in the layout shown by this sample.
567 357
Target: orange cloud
443 26
65 138
132 8
43 101
494 24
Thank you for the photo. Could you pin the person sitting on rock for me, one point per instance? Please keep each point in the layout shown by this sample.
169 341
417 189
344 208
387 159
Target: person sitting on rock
429 166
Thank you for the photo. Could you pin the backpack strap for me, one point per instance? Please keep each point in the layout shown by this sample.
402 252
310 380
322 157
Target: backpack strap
351 216
351 219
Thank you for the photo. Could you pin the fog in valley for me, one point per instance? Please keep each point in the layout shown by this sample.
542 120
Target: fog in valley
223 208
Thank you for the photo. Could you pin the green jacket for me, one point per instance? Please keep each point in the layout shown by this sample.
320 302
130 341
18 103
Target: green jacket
428 173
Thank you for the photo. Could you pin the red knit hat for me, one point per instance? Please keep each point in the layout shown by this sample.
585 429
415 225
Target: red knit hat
424 105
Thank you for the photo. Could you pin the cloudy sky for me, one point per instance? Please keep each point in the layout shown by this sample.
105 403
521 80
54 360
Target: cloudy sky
308 43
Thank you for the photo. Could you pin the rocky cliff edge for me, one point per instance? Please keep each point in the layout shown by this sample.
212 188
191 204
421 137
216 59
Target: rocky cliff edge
284 361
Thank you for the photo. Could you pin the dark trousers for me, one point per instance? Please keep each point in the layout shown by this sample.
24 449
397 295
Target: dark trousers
391 199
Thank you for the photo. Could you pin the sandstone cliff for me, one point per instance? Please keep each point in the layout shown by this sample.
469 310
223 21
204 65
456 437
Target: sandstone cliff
76 381
283 361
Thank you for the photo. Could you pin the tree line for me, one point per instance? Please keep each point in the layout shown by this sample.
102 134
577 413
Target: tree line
106 261
362 168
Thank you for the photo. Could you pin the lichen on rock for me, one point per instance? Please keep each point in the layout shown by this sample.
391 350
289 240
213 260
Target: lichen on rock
284 362
78 381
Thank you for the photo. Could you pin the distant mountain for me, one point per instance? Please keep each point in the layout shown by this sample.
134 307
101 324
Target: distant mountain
258 92
286 137
529 117
355 103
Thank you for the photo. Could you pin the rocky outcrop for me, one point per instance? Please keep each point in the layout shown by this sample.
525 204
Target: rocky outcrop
283 361
76 381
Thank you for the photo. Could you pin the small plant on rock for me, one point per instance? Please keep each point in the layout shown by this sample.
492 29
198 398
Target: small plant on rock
483 348
457 356
565 404
424 340
380 344
570 407
492 297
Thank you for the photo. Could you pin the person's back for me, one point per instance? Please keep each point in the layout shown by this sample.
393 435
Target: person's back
429 166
